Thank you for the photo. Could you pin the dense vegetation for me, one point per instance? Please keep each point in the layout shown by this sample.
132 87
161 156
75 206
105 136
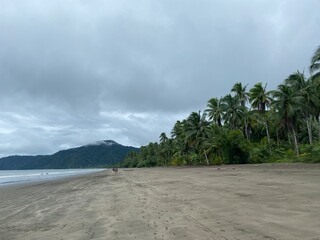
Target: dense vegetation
97 155
246 126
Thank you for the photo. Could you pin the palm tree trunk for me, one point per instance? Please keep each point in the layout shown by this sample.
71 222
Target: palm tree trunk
295 141
319 127
246 128
278 141
289 139
219 122
268 134
205 154
309 130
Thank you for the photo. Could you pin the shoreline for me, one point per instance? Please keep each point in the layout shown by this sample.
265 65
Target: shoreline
236 202
49 179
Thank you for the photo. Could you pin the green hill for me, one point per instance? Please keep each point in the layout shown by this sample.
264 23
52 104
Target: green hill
96 155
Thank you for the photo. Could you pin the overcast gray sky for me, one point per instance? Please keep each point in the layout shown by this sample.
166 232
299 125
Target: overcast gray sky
74 72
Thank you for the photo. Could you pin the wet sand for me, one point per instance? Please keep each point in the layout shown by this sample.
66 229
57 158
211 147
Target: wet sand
236 202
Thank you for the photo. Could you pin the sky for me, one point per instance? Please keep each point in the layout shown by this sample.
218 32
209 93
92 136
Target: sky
74 72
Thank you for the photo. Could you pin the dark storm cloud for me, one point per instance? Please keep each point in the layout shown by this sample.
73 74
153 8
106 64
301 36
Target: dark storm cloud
73 72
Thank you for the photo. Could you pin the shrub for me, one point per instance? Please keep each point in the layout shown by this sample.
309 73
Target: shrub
235 148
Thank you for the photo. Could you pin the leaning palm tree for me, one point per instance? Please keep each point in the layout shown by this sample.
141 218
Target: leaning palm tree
210 144
287 104
315 64
196 130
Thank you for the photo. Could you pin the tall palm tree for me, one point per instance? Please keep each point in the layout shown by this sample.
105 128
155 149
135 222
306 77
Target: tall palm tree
287 103
252 118
315 64
241 93
307 90
243 96
196 130
163 138
315 76
176 130
164 147
178 134
215 110
233 111
260 99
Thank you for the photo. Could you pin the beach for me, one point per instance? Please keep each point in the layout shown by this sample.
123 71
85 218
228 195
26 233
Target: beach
268 201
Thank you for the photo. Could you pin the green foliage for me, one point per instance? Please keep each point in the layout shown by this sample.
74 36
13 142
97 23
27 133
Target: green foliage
177 161
260 153
281 125
235 148
311 153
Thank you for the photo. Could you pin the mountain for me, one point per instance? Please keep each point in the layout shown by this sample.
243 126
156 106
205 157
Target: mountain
99 154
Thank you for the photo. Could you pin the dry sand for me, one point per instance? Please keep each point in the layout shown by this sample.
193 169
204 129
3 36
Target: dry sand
248 202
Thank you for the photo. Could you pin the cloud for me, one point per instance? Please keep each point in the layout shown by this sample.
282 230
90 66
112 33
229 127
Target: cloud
74 72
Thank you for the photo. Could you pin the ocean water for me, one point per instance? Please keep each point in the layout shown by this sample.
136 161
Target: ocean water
20 176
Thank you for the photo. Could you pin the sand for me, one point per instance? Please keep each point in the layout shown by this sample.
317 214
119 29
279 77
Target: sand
236 202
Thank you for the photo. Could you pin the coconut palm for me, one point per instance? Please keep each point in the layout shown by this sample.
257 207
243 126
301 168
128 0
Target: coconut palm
163 138
315 64
196 130
180 146
307 90
211 144
176 130
241 93
215 110
233 111
252 117
287 103
243 96
260 99
165 148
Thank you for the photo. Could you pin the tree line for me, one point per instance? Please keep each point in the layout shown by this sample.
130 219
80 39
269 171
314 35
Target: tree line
246 126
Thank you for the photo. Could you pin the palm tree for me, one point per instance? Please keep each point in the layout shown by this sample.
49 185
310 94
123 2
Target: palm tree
287 104
307 90
163 138
178 134
252 118
211 143
164 148
215 110
315 76
315 64
233 111
196 130
260 99
243 96
241 93
176 130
